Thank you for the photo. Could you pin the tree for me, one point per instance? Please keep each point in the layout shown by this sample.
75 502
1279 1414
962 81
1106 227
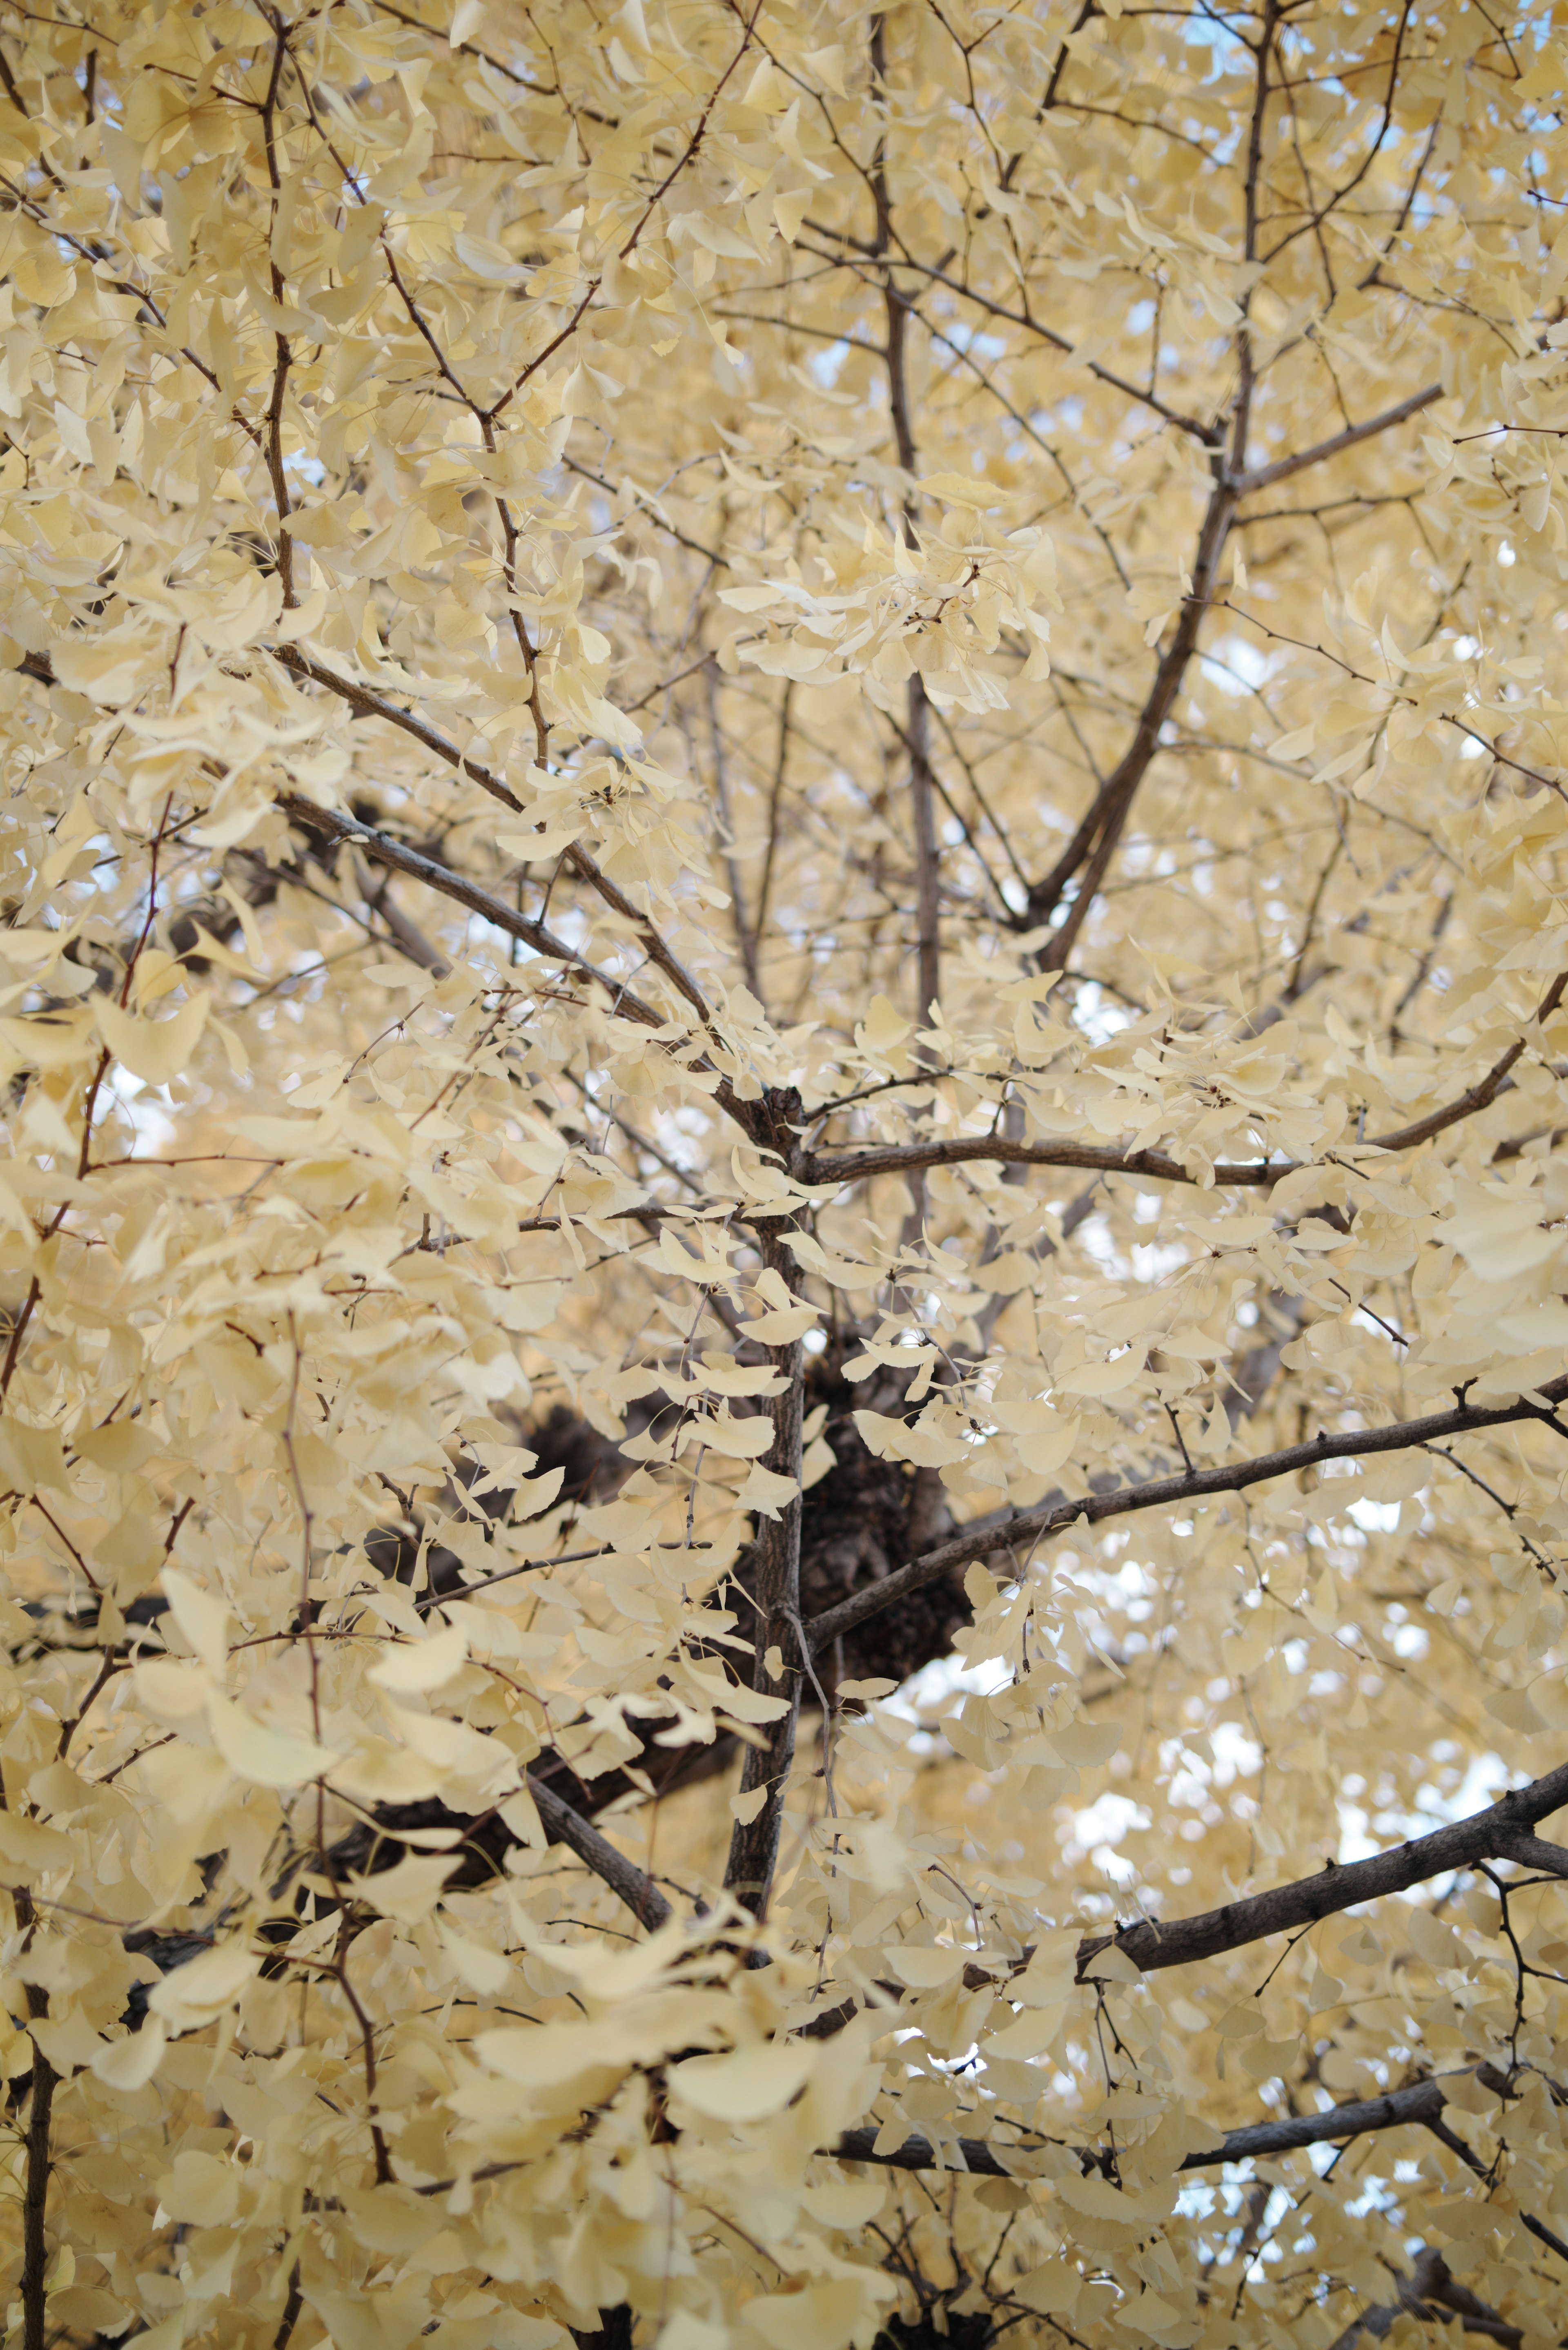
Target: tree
784 844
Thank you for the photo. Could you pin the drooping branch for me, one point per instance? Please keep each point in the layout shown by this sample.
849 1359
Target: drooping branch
1030 1527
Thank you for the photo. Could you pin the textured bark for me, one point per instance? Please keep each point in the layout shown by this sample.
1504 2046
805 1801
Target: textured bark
754 1843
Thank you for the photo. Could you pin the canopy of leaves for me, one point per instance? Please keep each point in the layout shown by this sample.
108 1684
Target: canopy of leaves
782 886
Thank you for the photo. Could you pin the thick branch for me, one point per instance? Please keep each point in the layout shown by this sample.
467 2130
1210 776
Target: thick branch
754 1843
906 1158
1503 1832
1031 1527
34 2202
1422 2102
624 1879
1499 1832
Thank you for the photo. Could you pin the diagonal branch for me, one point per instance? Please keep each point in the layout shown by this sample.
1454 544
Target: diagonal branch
371 704
335 824
1031 1527
1502 1831
1481 1095
1262 477
1098 834
626 1881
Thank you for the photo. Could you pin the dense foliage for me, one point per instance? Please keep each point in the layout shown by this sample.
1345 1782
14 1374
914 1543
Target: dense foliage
783 871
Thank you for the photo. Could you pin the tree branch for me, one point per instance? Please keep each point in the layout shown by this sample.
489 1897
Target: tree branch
1159 1166
371 704
1422 2102
1262 477
899 1158
335 824
754 1843
1499 1832
1031 1526
1481 1095
624 1879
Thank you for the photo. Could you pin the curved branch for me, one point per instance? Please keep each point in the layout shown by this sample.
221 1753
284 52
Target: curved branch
1031 1526
1157 1165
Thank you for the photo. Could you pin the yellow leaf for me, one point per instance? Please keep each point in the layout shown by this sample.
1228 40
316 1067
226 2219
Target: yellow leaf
154 1050
202 1616
1106 1379
191 1994
884 1027
746 1704
268 1757
1432 1940
423 1664
747 2084
923 1966
1082 1745
737 1440
130 2062
410 1890
1051 2290
28 1849
964 490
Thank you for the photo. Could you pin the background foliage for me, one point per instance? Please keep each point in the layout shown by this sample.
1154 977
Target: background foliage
782 861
